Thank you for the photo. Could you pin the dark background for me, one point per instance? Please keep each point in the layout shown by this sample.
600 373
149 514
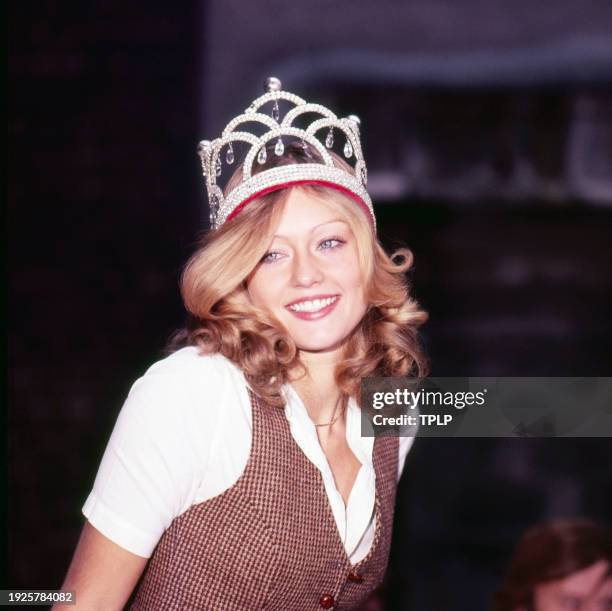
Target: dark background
488 134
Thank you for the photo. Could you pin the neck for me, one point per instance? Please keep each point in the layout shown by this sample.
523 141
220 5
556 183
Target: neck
320 366
317 387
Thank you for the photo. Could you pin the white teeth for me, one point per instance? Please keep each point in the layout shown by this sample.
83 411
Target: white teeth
312 306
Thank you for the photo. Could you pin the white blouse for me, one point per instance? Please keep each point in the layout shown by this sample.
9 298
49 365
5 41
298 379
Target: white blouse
184 436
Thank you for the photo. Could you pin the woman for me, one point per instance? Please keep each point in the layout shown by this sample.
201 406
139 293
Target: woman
236 473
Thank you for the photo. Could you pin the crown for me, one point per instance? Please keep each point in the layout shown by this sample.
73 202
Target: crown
257 180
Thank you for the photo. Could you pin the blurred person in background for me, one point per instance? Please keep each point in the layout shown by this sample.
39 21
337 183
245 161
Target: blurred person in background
562 565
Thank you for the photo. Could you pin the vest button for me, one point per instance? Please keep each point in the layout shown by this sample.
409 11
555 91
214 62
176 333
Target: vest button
326 601
354 577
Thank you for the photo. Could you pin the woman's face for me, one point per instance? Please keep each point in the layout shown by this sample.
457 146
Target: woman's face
310 279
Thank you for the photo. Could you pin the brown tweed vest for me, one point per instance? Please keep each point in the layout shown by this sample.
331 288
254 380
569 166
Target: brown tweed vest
269 541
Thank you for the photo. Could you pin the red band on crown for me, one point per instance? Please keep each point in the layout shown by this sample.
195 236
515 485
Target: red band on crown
295 183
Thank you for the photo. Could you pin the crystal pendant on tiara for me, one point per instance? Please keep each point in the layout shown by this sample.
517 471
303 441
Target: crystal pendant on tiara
364 176
279 149
306 149
276 111
218 167
329 140
229 155
213 210
262 156
348 149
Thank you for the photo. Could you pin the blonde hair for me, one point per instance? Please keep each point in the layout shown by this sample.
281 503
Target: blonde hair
223 320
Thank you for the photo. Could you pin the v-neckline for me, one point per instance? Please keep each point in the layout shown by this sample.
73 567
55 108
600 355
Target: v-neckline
330 518
322 451
329 512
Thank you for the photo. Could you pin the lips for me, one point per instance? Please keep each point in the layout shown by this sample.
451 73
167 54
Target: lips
313 307
312 304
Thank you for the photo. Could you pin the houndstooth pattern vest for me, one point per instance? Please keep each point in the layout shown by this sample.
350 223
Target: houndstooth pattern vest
269 541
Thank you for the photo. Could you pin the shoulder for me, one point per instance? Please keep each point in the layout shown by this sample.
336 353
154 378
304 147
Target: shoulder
189 364
186 371
160 448
182 390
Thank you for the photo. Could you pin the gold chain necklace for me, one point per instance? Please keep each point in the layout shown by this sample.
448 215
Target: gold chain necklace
333 419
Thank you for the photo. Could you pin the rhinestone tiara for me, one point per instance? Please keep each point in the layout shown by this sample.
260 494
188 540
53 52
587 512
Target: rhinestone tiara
278 133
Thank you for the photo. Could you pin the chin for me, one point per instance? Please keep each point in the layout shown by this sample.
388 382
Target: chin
317 347
319 336
314 344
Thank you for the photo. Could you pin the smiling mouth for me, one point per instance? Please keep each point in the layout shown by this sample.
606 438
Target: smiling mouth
312 305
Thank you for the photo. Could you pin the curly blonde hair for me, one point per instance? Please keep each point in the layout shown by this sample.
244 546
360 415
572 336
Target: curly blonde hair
223 320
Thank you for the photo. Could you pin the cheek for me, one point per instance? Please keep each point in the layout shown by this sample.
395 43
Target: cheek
263 289
350 276
255 290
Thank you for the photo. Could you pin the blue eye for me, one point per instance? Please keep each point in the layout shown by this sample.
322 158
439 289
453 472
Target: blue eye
269 257
331 243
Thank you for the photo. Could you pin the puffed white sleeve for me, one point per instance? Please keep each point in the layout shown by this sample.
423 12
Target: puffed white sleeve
157 454
405 443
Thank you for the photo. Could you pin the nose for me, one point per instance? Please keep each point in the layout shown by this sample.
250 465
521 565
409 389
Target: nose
306 270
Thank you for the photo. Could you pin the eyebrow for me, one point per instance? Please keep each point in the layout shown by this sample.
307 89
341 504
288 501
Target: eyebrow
277 235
